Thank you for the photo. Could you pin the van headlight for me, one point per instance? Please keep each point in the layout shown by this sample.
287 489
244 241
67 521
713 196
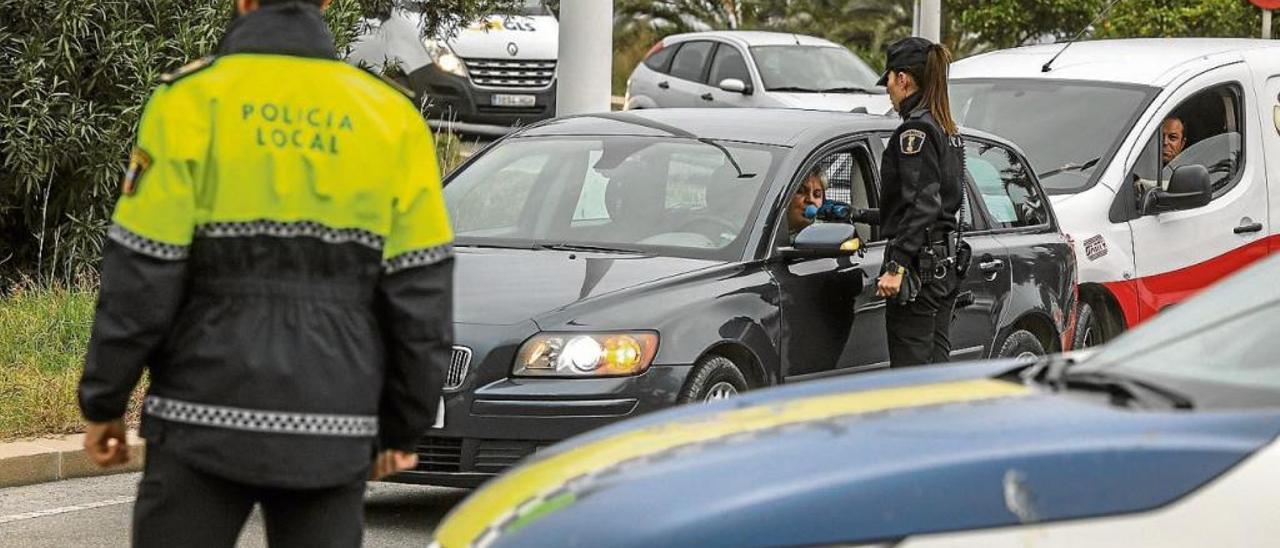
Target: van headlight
444 58
586 354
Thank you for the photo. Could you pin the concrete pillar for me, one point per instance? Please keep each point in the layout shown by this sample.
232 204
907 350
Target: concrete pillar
586 57
928 19
1266 24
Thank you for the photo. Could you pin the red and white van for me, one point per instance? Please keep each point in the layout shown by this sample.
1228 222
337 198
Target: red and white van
1150 227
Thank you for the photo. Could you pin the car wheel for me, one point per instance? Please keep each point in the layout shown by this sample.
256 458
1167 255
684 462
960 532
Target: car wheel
713 378
1021 344
1088 329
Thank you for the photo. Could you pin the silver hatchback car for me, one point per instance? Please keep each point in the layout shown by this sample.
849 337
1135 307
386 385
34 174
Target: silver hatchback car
754 69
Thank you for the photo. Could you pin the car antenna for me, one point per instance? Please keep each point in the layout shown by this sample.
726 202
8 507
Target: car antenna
1049 66
796 38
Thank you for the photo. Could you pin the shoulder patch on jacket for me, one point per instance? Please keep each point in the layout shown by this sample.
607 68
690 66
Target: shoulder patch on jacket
139 161
911 141
187 70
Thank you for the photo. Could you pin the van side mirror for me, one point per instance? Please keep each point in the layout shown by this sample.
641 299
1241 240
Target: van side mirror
734 85
824 240
1189 188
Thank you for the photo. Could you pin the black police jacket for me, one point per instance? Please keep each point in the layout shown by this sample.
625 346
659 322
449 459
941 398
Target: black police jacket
280 261
921 183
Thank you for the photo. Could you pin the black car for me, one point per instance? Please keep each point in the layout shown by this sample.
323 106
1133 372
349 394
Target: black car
610 265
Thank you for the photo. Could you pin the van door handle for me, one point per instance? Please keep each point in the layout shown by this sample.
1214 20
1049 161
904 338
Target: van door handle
991 265
1243 229
707 97
664 85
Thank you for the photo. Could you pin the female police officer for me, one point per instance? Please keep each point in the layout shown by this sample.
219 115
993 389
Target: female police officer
922 182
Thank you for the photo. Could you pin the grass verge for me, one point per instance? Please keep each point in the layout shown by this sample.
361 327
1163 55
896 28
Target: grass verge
43 335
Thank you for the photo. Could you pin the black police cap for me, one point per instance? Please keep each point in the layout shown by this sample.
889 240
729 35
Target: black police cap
909 54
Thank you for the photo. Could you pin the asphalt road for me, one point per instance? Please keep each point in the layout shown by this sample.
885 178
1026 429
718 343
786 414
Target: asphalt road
95 512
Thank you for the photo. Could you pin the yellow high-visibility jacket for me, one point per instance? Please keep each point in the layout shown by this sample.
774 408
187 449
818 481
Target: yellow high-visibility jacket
280 260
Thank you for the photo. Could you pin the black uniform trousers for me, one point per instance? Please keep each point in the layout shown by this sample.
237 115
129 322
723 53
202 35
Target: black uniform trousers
181 506
919 332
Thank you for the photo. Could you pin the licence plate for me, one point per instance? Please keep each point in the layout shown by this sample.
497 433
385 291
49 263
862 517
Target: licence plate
505 100
439 415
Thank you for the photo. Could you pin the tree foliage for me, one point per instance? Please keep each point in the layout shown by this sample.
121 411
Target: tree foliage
73 78
1168 18
1009 23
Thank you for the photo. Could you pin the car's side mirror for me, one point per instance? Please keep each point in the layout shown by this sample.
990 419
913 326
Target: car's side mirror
1189 188
734 85
824 240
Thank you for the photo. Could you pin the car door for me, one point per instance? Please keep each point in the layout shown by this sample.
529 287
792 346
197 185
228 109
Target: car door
821 297
685 86
1177 253
982 295
650 83
1269 119
1009 220
728 62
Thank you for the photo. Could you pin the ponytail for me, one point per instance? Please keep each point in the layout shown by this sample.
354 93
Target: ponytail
933 87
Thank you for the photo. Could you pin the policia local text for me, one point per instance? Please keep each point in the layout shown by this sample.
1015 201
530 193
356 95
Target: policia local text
287 126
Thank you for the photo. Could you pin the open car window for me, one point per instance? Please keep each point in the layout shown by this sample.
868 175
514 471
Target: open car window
1208 127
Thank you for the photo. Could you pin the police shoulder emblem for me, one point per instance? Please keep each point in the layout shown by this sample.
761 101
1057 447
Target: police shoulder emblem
139 161
911 141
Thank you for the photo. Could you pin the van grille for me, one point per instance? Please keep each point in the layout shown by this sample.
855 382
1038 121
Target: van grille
504 73
459 363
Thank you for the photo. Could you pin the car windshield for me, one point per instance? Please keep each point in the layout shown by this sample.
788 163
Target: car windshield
532 8
813 68
1221 348
1069 130
656 195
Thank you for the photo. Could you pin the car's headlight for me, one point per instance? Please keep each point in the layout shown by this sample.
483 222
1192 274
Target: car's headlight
444 58
586 354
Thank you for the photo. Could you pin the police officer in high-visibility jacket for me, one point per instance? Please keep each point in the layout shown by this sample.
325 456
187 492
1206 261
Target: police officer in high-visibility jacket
922 185
280 260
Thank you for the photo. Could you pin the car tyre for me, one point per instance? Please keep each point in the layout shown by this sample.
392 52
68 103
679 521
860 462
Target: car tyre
1088 329
713 378
1021 344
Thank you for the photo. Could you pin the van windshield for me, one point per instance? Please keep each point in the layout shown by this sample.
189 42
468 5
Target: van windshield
1069 130
532 8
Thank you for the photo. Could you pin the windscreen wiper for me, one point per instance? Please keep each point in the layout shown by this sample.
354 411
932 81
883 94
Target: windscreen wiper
588 248
849 89
795 89
1056 372
1124 386
492 245
1071 167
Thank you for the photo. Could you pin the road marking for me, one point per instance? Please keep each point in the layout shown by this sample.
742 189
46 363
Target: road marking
66 509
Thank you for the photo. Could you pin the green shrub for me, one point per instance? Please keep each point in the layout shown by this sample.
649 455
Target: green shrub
73 77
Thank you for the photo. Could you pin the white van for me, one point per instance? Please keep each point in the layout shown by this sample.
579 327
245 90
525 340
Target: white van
493 74
1152 222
